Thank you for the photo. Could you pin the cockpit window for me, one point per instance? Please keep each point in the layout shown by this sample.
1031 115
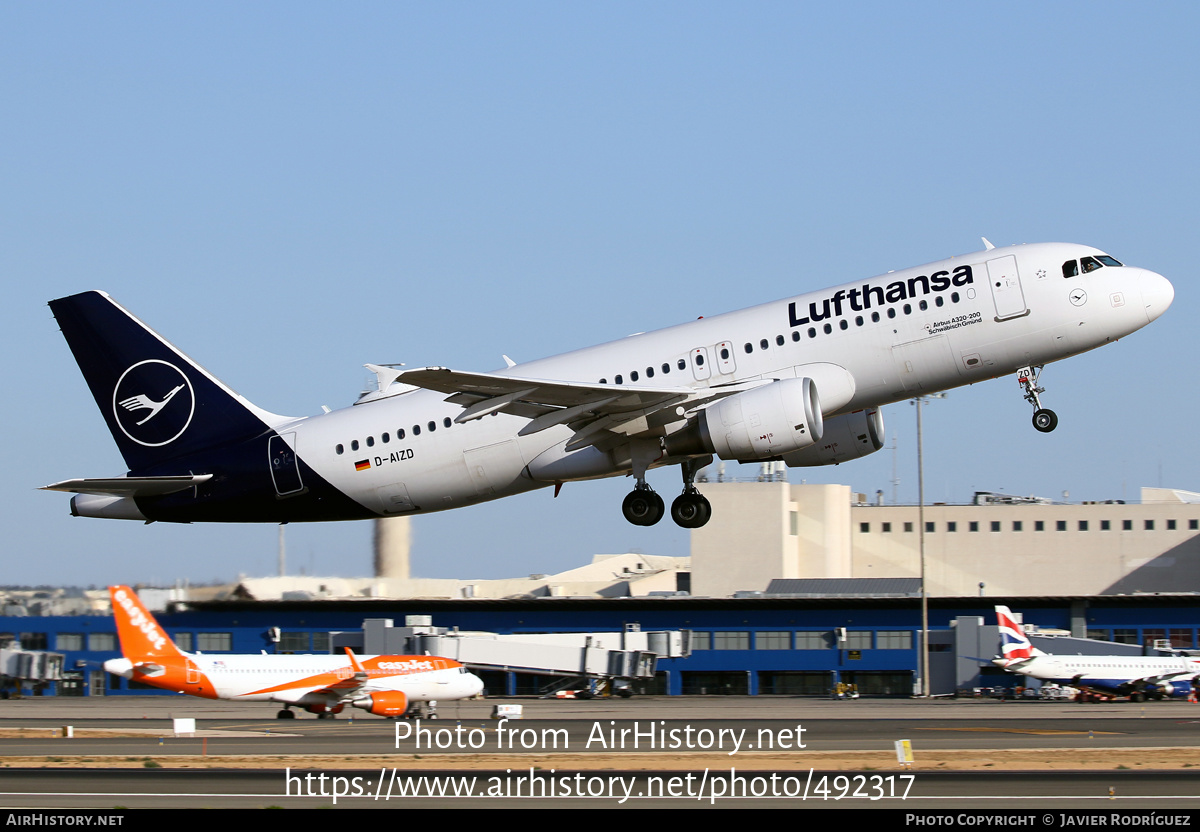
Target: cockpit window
1089 264
1071 268
1109 261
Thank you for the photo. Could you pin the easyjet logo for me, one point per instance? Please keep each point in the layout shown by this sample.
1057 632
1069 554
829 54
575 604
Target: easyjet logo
140 621
414 666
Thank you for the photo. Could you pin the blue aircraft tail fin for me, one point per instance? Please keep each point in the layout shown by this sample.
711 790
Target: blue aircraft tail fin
158 403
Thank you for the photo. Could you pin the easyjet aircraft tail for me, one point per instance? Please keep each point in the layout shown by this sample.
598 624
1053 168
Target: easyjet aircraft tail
142 639
158 403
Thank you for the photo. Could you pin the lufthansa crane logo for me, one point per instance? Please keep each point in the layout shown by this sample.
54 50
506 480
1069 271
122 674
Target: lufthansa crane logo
153 403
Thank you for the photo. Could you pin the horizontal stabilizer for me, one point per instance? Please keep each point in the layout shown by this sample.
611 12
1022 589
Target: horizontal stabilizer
129 486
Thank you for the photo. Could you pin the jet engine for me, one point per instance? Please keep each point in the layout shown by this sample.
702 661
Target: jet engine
383 703
762 423
846 437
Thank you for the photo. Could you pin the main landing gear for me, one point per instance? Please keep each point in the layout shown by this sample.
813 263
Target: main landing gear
1044 420
643 507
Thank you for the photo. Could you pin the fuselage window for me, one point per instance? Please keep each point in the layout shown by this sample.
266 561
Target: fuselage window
387 437
812 332
763 344
923 305
682 364
779 340
954 297
666 368
749 348
828 329
400 433
604 381
891 311
875 317
340 449
633 376
858 320
908 309
619 379
649 372
416 430
844 324
432 426
939 300
724 354
795 335
446 422
370 441
699 359
354 445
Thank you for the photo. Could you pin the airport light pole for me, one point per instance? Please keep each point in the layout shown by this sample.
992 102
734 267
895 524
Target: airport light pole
923 657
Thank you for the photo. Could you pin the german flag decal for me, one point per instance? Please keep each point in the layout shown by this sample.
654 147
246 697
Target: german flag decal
363 465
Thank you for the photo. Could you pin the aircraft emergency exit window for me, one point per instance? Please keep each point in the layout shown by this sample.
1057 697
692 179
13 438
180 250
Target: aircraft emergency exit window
749 348
699 359
1071 268
340 449
1089 264
446 422
779 340
1109 261
370 441
844 324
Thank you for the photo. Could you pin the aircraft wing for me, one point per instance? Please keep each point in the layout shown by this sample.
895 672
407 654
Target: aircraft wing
129 486
592 410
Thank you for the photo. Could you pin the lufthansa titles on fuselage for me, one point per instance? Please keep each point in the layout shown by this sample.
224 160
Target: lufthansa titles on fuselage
861 299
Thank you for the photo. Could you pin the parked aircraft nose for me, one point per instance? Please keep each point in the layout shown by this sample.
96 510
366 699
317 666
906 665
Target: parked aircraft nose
1157 293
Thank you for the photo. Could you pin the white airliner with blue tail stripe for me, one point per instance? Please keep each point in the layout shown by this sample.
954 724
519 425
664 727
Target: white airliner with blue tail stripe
1138 677
799 380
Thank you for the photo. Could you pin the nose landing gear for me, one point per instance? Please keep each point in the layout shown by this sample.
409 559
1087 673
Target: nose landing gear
1044 420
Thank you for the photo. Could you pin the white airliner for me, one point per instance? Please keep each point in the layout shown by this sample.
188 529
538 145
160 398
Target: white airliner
1138 677
801 380
321 684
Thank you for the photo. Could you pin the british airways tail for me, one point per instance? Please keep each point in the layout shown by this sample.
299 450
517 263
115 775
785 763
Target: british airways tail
158 403
1015 646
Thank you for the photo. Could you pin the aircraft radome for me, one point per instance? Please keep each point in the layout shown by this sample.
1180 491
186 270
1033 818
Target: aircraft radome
799 380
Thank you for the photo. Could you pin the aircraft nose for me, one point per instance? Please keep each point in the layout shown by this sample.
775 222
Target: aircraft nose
1157 293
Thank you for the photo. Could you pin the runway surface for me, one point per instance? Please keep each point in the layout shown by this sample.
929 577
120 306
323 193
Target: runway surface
732 752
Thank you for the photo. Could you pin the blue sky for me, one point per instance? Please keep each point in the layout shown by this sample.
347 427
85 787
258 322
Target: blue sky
289 190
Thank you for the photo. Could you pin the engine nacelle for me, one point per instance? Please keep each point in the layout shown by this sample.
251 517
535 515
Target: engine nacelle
763 423
383 703
1166 688
846 437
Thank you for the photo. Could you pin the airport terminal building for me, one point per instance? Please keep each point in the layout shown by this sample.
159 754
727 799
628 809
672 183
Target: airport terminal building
809 586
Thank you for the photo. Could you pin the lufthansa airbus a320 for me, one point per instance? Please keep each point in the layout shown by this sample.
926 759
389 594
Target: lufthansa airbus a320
799 380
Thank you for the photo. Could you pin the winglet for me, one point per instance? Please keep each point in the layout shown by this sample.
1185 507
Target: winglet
987 244
354 662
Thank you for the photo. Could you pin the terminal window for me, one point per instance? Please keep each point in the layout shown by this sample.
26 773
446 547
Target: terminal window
1170 525
1039 525
951 526
1193 525
858 640
930 527
1105 525
98 642
731 641
1149 525
701 641
865 528
995 525
1127 525
1060 525
773 641
814 641
1017 526
1083 525
908 527
212 642
887 527
69 641
293 643
893 640
974 525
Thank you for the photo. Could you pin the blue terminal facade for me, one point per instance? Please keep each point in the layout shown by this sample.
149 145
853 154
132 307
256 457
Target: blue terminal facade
752 646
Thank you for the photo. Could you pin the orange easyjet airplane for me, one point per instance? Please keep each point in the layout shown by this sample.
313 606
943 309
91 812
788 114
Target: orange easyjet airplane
323 685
